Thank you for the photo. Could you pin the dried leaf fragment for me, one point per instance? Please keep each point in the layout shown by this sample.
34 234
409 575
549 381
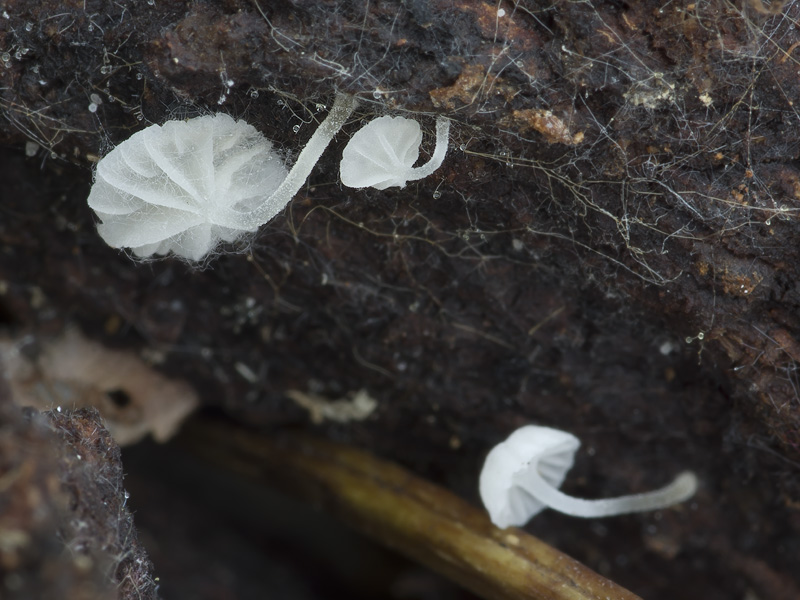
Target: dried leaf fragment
356 407
75 372
554 130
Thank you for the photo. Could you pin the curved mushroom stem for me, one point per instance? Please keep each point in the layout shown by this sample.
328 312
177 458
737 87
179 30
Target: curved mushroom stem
679 490
439 152
343 107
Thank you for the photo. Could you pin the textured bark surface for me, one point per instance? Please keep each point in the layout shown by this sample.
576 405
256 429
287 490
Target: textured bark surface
610 246
64 528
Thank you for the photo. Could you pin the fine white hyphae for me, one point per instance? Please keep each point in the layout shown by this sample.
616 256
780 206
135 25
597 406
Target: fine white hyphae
185 186
521 477
383 152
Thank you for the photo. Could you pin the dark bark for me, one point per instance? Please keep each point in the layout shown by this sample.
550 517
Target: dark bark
610 246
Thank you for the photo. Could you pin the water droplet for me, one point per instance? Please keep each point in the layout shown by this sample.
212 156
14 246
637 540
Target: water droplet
377 94
90 27
296 128
768 221
320 107
139 76
105 69
151 2
140 117
462 147
28 26
437 194
92 107
5 57
95 99
281 103
254 94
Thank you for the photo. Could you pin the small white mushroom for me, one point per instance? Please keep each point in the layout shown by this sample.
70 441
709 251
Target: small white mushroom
184 186
521 477
382 153
174 187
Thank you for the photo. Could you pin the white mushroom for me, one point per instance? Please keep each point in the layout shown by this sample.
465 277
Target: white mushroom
521 477
383 152
184 186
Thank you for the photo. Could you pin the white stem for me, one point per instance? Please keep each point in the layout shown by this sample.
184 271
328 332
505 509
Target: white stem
679 490
439 152
342 108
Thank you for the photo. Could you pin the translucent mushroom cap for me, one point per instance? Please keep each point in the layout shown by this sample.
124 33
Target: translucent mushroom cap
178 187
549 451
521 476
382 153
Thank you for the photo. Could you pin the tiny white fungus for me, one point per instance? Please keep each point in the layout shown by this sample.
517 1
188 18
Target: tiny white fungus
383 152
184 186
173 188
521 477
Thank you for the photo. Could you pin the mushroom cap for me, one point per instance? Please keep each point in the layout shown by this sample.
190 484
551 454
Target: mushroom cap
550 451
381 154
178 187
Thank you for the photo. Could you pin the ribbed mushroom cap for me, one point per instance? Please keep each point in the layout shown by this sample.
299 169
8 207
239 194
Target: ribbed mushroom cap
381 154
550 451
179 187
184 186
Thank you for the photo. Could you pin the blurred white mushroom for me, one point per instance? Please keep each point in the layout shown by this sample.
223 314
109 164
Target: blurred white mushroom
521 477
